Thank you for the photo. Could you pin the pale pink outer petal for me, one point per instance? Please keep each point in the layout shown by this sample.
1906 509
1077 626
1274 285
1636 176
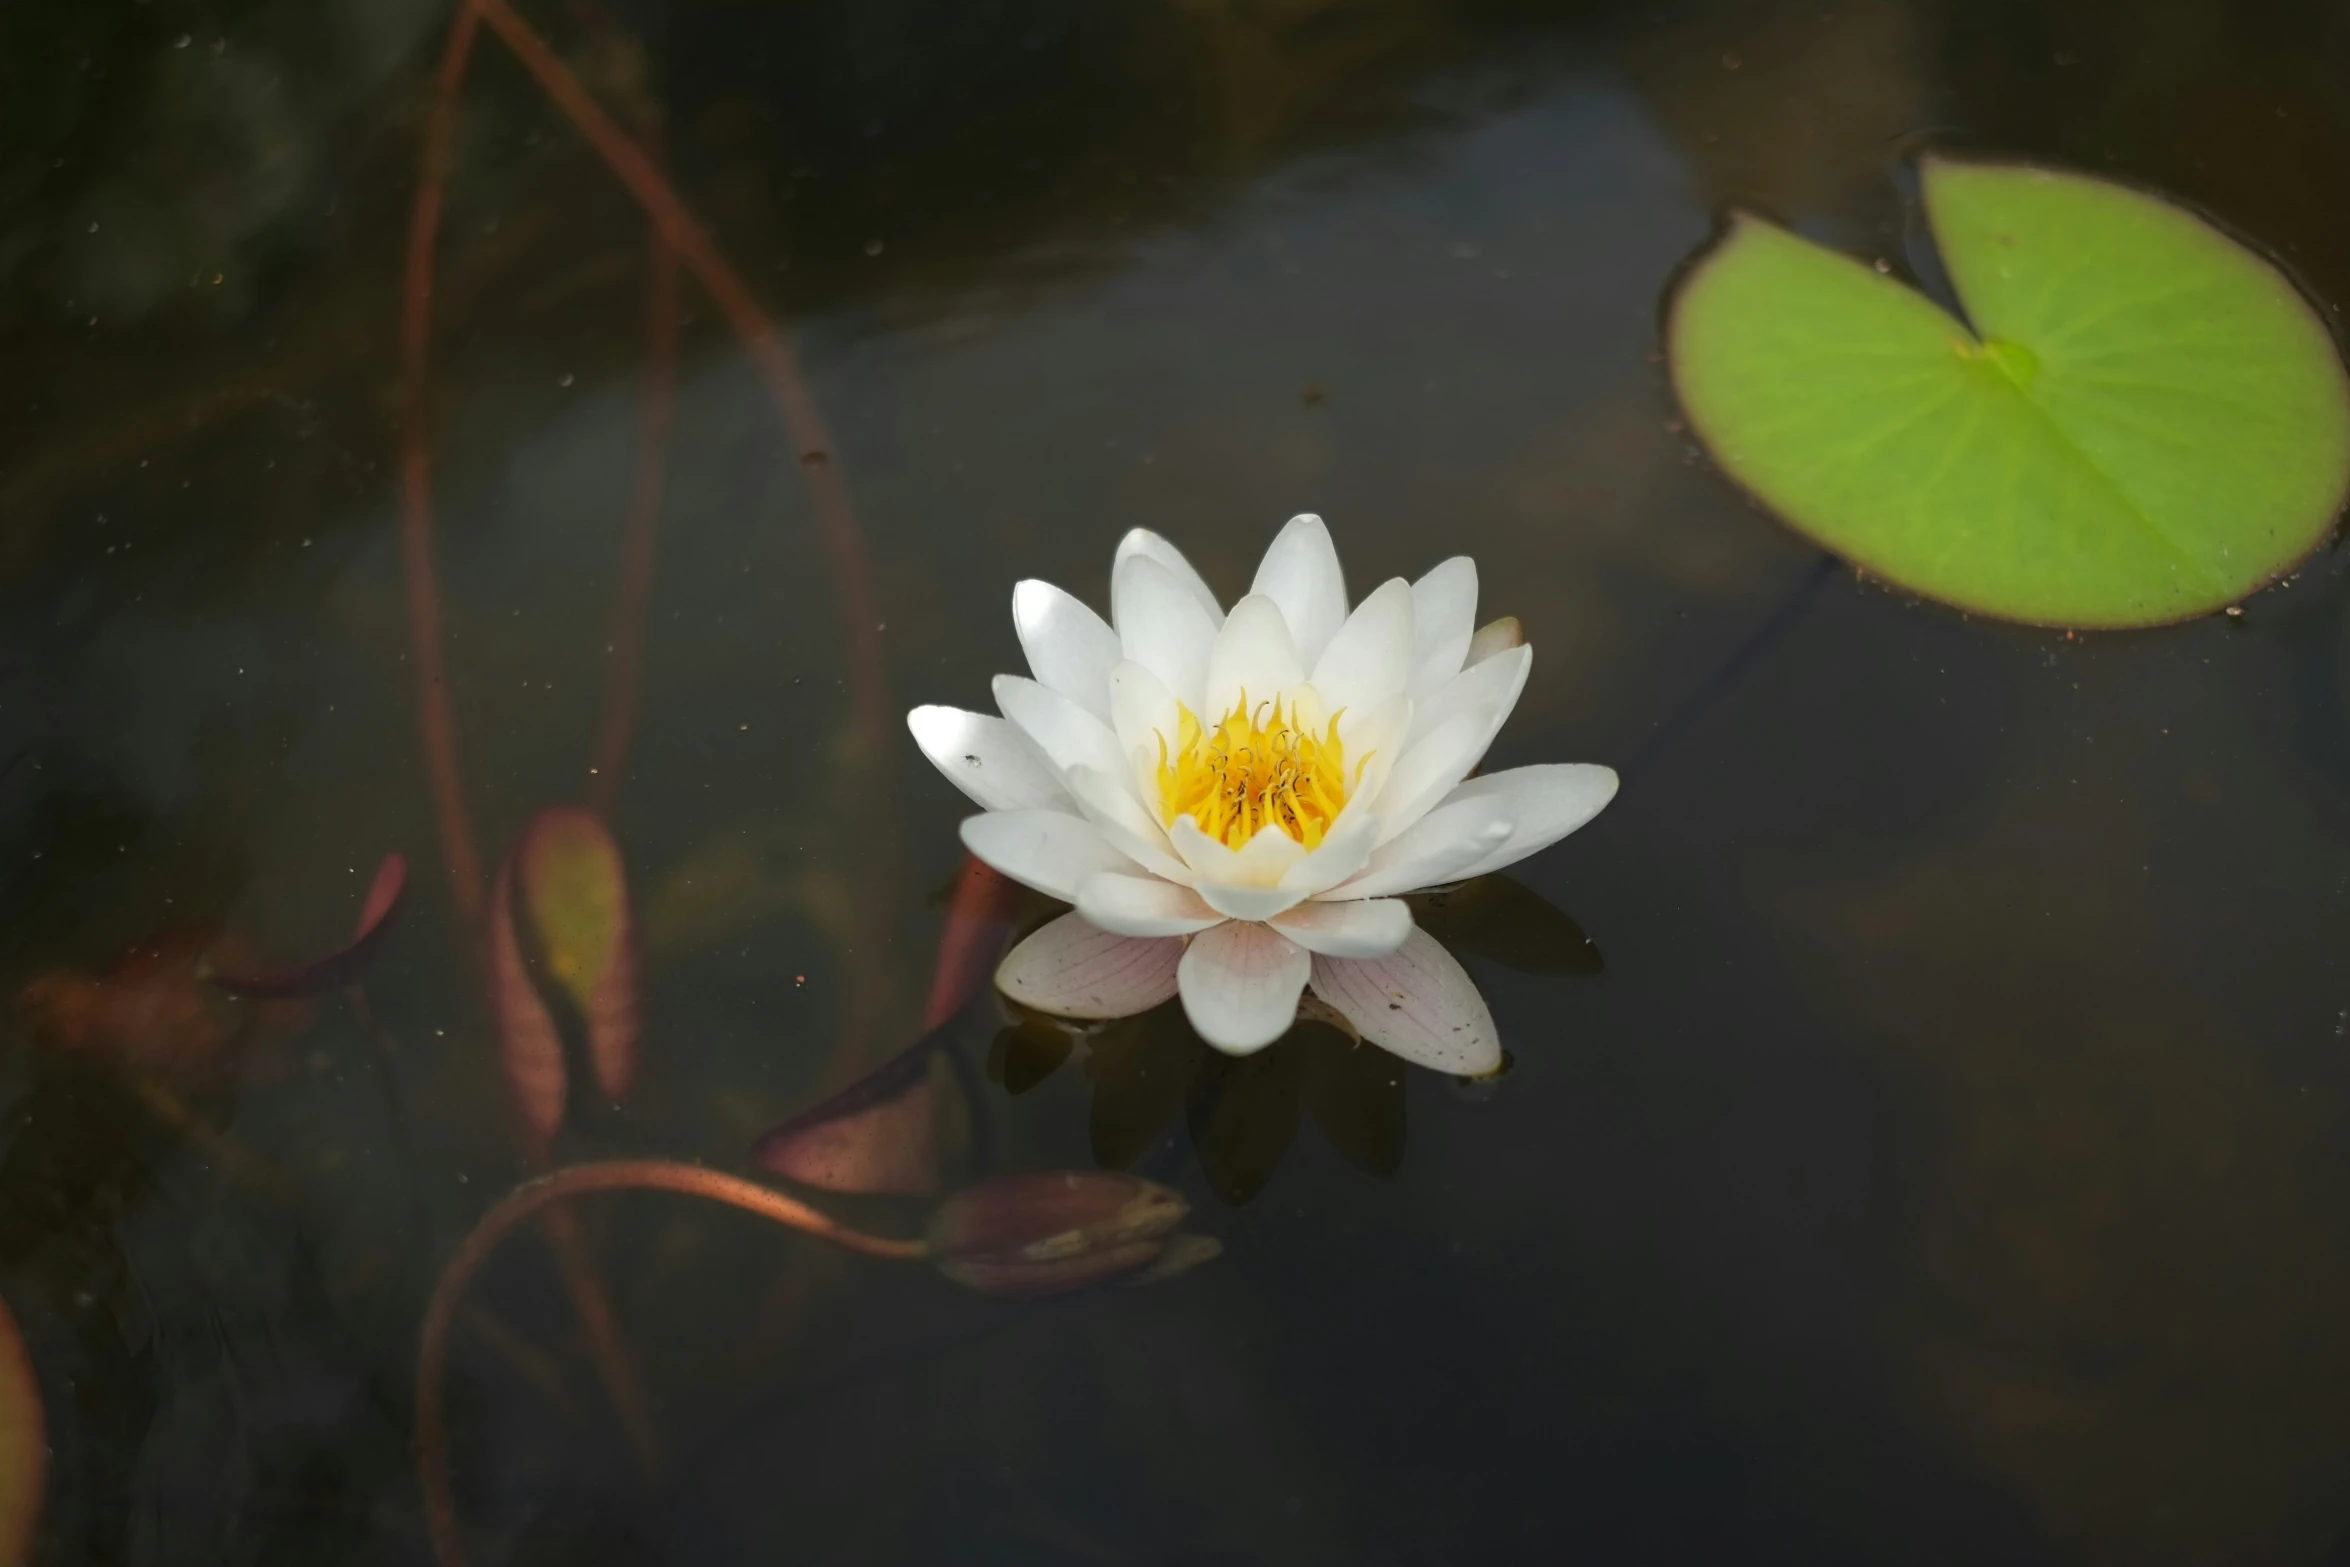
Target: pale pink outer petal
1240 983
1416 1003
1070 968
1300 572
1069 647
988 758
1143 906
1371 928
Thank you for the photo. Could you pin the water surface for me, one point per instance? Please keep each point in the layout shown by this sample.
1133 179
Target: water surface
1946 1166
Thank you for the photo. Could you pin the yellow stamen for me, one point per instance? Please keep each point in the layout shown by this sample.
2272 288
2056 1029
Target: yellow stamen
1258 767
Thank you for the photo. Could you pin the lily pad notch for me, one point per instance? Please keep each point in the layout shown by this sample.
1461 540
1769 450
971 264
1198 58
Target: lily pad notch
2139 422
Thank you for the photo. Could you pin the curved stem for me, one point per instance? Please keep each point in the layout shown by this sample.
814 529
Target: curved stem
656 403
664 1175
436 714
771 355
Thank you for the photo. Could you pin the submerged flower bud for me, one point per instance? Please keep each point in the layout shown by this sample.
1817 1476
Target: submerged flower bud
1048 1231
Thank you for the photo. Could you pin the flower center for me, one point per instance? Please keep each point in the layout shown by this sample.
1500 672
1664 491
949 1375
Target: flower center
1260 766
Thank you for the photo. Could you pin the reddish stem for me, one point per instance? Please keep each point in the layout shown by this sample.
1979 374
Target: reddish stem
656 407
432 1439
770 354
967 949
865 996
435 712
615 1367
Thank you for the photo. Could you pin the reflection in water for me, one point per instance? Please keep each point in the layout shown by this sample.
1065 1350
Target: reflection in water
1675 1293
1146 1071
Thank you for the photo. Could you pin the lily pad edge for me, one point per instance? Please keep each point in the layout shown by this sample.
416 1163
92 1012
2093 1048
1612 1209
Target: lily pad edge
1735 217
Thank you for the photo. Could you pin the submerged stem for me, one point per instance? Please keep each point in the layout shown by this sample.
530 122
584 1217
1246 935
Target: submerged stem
665 1175
436 714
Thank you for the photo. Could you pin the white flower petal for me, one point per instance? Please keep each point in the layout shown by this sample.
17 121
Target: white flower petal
1111 806
1375 731
1051 851
1374 740
988 759
1073 969
1444 613
1545 803
1430 770
1369 929
1163 626
1440 847
1300 573
1416 1003
1432 765
1495 636
1370 657
1144 544
1497 681
1142 709
1240 983
1242 901
1344 850
1244 883
1253 655
1143 906
1070 648
1066 733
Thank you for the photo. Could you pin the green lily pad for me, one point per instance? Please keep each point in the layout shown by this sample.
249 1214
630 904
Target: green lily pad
2144 421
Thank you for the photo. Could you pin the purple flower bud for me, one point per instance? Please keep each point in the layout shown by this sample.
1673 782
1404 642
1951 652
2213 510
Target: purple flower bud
1045 1232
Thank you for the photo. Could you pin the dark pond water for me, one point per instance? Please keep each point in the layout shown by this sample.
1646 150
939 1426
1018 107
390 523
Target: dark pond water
1949 1164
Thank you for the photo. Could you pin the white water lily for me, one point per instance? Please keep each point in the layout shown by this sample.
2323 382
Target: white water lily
1236 803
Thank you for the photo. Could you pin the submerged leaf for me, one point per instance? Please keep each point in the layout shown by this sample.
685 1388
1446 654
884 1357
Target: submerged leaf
155 1010
378 912
979 916
530 1048
563 965
24 1445
903 1129
1024 1054
2140 421
1139 1069
572 915
1244 1113
878 1136
1356 1095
